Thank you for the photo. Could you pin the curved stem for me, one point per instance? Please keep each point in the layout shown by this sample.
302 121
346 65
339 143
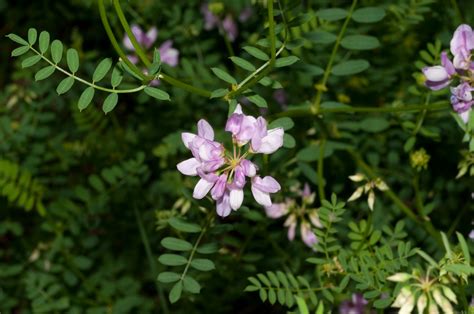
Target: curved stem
317 103
180 84
141 54
109 90
115 44
138 49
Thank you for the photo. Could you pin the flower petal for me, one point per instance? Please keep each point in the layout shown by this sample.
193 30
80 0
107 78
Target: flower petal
202 188
223 208
261 197
276 210
236 198
189 166
187 138
271 142
205 130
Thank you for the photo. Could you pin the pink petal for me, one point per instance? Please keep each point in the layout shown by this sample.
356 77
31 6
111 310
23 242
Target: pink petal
205 130
276 210
291 231
250 170
189 166
268 184
220 186
187 138
223 206
152 34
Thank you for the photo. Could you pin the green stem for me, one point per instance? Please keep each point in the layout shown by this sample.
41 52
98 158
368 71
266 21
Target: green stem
196 244
441 105
115 44
138 49
151 260
256 76
399 203
109 90
422 115
317 103
271 33
322 147
180 84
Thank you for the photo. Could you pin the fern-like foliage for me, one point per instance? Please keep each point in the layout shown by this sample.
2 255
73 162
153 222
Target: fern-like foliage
183 280
20 188
56 51
283 288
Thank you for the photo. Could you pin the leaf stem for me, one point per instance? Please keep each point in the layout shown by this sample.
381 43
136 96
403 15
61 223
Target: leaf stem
317 103
196 244
109 90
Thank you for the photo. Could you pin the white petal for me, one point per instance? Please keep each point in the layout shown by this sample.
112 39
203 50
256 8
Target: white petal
238 109
236 198
436 73
421 303
202 188
189 166
356 194
261 197
272 141
187 138
465 116
371 200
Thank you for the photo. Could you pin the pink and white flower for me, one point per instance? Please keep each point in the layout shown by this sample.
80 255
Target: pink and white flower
298 213
223 173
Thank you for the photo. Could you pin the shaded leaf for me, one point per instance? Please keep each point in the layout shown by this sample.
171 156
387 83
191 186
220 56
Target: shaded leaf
65 85
172 260
167 277
109 103
56 51
44 73
203 264
86 98
157 93
72 58
176 244
368 15
350 67
102 69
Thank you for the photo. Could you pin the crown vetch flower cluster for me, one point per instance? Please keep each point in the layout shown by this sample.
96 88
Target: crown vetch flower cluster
441 76
298 213
225 174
